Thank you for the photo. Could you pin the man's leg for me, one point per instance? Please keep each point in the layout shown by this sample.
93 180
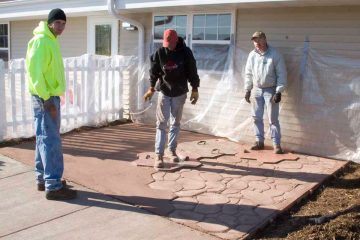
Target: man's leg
162 117
273 116
258 113
38 115
50 148
177 106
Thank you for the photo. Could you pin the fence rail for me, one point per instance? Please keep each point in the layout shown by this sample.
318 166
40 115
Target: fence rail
94 94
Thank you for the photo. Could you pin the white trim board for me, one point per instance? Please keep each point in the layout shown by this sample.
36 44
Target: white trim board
131 4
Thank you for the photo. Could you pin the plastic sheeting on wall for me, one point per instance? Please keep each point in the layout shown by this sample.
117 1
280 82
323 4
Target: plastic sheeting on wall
319 111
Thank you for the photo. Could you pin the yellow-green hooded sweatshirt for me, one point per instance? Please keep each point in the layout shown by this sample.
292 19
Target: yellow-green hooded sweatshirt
44 64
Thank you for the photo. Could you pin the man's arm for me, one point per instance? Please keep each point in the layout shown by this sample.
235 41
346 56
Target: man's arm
37 63
248 85
191 69
281 74
155 69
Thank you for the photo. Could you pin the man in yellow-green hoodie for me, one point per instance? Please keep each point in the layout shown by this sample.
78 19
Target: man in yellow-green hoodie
45 74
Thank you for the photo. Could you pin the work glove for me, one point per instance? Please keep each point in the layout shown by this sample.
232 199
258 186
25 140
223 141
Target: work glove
148 95
247 96
194 96
277 97
51 108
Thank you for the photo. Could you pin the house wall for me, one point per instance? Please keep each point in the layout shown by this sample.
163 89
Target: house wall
128 40
326 28
72 41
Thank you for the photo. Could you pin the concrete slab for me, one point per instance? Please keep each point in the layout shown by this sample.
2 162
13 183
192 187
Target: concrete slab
100 159
9 167
228 196
232 199
22 206
26 214
110 220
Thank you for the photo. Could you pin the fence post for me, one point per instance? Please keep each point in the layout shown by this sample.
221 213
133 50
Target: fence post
3 117
90 91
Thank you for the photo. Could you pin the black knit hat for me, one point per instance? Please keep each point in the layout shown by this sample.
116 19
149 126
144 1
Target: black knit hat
56 14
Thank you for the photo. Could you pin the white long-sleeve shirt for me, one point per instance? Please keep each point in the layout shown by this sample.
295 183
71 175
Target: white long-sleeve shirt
265 70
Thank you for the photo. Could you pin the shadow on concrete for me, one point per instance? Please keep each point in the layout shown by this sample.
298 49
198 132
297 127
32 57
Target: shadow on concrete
1 164
120 142
263 172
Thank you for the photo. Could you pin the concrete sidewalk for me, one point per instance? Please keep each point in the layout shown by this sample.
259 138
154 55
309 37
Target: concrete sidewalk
26 214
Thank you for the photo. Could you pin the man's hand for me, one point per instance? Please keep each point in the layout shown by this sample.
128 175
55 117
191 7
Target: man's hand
148 95
277 97
194 96
247 96
51 108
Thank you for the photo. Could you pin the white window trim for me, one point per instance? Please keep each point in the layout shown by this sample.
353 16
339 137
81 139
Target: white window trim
92 21
189 21
9 42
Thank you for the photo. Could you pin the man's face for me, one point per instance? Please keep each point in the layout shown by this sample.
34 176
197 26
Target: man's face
260 44
172 45
57 27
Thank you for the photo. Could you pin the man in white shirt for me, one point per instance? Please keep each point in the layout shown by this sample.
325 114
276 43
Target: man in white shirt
265 72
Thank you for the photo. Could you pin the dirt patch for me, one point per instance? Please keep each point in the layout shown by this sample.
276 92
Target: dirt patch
332 212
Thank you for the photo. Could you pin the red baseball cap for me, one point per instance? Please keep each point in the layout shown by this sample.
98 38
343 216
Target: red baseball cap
170 37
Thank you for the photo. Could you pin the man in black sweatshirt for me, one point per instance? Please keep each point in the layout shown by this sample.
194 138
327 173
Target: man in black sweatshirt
172 67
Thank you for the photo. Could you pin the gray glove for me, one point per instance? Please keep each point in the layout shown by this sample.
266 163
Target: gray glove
277 97
247 96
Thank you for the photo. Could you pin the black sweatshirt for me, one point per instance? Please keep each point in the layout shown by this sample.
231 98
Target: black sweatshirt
173 69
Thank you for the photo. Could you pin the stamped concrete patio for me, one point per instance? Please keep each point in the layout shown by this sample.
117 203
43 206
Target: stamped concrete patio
222 188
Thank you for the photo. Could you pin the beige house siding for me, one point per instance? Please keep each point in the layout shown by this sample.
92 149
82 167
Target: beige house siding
128 40
326 27
73 40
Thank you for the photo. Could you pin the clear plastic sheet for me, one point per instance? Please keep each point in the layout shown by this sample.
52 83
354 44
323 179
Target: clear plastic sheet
319 111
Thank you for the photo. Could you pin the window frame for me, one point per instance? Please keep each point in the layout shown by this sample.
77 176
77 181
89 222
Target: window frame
8 38
91 36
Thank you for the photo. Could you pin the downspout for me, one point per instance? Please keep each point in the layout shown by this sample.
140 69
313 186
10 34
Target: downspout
141 42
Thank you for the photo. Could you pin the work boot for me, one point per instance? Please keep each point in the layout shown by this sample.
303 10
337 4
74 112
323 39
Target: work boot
61 194
159 161
278 149
173 156
258 146
41 186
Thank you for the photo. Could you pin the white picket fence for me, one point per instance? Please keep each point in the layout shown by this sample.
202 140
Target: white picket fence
95 94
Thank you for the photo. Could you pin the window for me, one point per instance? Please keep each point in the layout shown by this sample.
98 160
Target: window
103 33
210 36
4 42
211 27
103 39
161 23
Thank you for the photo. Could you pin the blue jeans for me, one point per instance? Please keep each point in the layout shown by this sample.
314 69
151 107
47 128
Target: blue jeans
263 98
168 107
49 162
